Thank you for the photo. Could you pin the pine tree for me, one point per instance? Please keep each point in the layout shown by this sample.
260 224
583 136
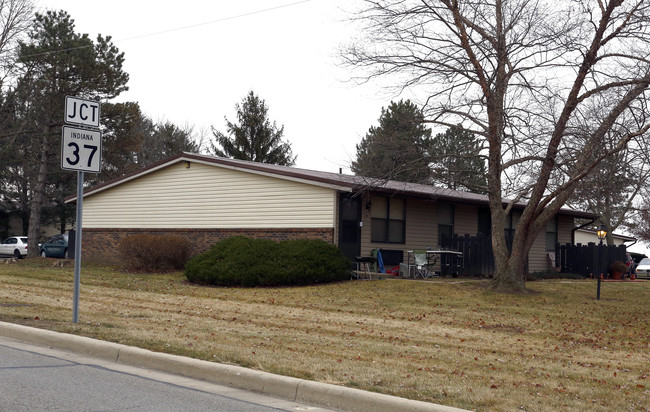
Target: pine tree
456 162
254 138
396 148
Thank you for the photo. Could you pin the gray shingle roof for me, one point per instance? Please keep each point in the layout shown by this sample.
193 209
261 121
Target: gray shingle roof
351 183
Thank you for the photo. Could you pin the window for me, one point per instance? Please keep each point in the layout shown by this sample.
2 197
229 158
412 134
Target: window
484 221
388 224
551 234
510 225
445 221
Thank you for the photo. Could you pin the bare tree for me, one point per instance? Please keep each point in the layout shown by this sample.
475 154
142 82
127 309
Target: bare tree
520 74
615 188
15 18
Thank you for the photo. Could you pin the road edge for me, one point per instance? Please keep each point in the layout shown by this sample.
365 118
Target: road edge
293 389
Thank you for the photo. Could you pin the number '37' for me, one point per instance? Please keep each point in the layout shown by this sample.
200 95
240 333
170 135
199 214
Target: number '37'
75 153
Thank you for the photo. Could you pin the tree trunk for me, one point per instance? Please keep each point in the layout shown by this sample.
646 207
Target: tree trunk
38 198
509 274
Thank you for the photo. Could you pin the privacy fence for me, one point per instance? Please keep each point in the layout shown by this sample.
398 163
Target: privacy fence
588 259
478 259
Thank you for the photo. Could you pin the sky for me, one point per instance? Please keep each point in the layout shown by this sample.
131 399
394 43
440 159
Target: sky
190 62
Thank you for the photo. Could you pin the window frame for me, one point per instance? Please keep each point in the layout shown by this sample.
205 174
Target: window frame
553 233
447 226
388 222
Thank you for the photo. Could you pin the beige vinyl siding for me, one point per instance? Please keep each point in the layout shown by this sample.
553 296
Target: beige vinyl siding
538 258
585 238
205 196
421 225
465 219
564 229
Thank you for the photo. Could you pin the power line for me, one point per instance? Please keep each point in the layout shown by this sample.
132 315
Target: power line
238 16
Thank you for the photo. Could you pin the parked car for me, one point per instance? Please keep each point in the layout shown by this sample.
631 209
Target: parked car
56 246
15 246
643 268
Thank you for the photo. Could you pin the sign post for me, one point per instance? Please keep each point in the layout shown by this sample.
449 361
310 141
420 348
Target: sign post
81 150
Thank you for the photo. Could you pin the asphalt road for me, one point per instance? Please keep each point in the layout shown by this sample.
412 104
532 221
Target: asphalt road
34 378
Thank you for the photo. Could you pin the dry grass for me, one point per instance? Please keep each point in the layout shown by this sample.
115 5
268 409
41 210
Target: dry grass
444 341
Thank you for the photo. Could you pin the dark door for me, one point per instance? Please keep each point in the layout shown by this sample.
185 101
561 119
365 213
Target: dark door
350 225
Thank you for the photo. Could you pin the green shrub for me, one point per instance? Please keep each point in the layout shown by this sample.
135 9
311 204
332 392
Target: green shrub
242 261
152 253
313 261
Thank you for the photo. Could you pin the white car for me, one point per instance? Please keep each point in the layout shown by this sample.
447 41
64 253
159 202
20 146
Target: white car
643 268
15 246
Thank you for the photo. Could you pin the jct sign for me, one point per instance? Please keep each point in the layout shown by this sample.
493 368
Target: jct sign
81 112
81 150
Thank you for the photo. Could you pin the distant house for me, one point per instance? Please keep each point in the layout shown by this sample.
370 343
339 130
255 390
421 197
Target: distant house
586 236
207 199
13 224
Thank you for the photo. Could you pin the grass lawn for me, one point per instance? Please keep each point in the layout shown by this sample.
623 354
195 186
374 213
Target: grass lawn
447 341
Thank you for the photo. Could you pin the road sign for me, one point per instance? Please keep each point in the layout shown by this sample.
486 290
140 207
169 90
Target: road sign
81 112
81 150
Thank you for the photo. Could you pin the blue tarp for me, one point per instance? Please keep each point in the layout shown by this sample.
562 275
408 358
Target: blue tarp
380 262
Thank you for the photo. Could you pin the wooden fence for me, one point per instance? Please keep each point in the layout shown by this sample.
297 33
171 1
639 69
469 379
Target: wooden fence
478 259
587 259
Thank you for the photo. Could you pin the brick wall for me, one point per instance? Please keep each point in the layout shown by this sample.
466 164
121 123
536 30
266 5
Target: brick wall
102 244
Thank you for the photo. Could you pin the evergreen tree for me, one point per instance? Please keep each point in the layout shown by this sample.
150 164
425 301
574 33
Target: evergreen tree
456 161
164 139
254 138
396 148
121 139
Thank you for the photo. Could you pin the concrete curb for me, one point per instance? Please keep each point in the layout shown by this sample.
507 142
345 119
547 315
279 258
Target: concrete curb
294 389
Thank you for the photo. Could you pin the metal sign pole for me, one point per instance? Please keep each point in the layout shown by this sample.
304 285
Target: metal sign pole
77 248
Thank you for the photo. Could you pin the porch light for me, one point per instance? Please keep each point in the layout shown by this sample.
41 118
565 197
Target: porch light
602 232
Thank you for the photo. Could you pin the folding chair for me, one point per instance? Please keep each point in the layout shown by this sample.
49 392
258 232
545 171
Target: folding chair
421 264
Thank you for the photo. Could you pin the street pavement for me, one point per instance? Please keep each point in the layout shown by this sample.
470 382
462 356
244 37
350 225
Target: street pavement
34 378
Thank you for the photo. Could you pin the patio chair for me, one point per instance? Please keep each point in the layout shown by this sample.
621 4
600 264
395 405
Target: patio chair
421 264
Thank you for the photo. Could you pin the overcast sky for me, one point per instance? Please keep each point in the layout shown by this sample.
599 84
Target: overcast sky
190 62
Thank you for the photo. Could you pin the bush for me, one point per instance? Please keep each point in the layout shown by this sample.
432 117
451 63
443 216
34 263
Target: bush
242 261
152 253
617 267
